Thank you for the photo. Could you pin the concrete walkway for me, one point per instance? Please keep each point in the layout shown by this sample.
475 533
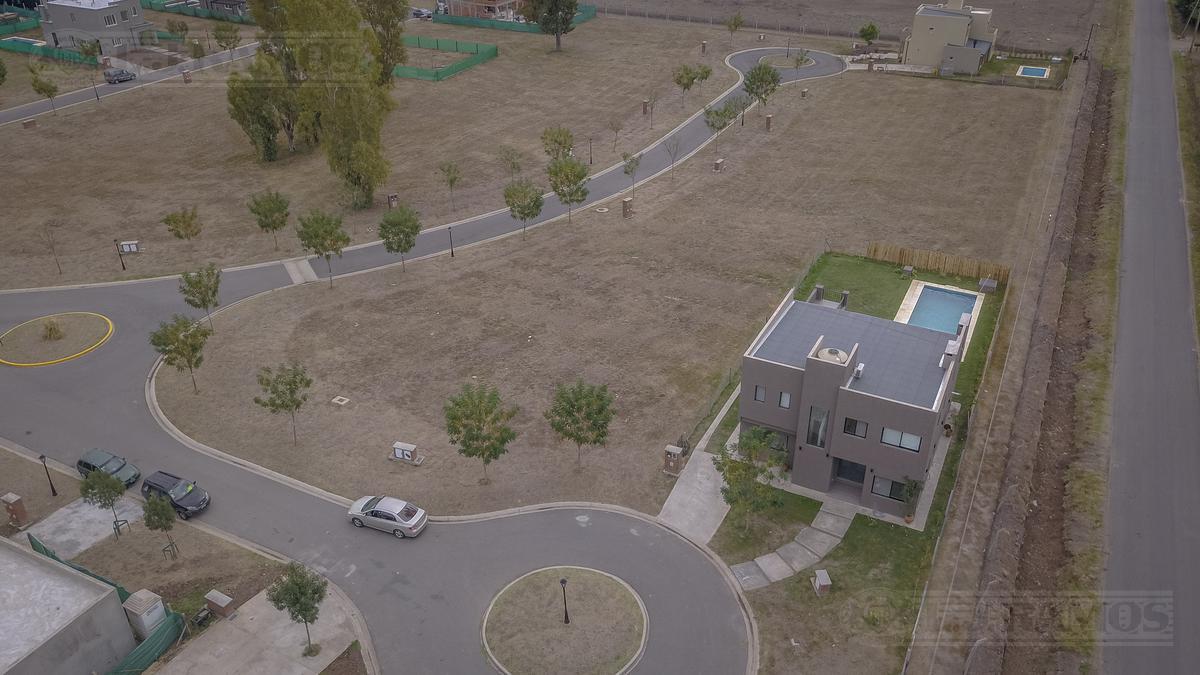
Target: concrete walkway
77 526
695 506
261 639
813 543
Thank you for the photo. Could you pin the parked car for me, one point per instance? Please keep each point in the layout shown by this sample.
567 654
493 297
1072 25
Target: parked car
390 515
419 13
103 460
184 495
115 75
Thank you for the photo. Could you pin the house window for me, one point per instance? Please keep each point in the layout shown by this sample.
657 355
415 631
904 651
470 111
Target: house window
110 19
818 419
901 439
133 9
855 427
892 489
72 17
760 394
785 399
124 15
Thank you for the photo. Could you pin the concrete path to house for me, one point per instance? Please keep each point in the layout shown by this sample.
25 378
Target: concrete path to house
78 526
807 549
261 639
695 506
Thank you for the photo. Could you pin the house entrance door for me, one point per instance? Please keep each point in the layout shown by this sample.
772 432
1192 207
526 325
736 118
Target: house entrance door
850 472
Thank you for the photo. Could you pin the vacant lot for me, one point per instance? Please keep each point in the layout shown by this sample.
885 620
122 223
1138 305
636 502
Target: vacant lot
16 89
657 306
172 145
1052 26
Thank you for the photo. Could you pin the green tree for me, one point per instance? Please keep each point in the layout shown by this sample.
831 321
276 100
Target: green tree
181 342
399 229
159 516
270 211
717 119
42 86
557 142
227 36
684 78
196 50
386 19
630 164
3 73
512 159
703 72
733 24
745 489
285 390
761 82
869 32
568 181
554 17
178 28
103 491
200 289
477 422
299 591
738 105
322 234
249 96
184 223
615 125
580 413
451 175
524 201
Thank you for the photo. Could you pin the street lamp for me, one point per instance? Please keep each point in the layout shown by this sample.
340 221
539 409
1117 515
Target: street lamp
120 256
450 231
566 616
53 492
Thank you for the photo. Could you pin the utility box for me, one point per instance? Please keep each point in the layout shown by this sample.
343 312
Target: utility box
407 453
145 611
393 200
673 460
645 106
821 583
627 207
187 76
769 118
18 517
704 46
718 165
218 603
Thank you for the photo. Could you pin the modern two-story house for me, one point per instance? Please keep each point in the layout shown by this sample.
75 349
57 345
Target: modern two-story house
951 37
117 24
855 400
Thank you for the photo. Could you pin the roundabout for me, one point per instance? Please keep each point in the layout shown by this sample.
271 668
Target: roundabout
598 625
54 338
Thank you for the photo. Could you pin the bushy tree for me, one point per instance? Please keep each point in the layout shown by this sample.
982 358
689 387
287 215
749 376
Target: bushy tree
42 86
703 72
557 142
322 234
178 28
761 82
200 289
554 17
299 591
745 489
159 516
3 73
684 77
477 422
630 164
285 390
184 223
580 413
399 229
568 181
869 32
227 36
524 201
181 342
717 119
733 24
386 19
103 491
270 210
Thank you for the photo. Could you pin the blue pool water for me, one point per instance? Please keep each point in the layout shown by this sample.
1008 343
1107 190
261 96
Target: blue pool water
28 41
940 309
1033 71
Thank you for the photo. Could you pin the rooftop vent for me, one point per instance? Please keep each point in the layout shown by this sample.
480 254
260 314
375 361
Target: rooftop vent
858 370
833 355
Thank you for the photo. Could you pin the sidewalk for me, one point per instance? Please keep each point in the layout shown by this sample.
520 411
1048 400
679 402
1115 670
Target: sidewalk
260 639
695 506
76 527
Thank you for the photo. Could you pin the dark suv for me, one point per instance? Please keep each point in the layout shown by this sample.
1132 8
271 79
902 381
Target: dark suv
184 495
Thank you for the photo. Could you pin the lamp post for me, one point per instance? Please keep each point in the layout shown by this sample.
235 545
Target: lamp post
566 616
450 230
53 492
119 255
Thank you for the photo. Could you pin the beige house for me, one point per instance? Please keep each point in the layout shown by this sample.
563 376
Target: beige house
951 37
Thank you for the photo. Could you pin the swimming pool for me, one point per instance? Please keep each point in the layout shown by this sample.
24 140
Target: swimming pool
940 308
1033 71
28 41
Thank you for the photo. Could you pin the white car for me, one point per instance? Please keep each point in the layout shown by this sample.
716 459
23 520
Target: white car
390 515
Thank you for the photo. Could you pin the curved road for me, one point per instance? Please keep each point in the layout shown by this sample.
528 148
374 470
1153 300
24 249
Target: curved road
423 599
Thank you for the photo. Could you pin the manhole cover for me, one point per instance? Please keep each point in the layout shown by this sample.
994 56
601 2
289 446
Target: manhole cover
340 400
601 209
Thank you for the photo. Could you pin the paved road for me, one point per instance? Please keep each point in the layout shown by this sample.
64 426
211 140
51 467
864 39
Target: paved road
1154 533
423 599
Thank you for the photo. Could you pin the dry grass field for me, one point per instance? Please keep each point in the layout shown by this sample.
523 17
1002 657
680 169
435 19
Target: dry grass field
171 145
1050 26
16 90
656 306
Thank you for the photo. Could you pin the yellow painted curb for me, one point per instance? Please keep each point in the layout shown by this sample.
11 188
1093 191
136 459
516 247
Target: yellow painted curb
76 355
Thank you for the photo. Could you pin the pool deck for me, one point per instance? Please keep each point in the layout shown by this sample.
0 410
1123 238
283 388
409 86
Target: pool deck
914 293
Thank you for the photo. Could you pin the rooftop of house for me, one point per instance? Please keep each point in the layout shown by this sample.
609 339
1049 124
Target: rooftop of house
900 361
84 4
949 10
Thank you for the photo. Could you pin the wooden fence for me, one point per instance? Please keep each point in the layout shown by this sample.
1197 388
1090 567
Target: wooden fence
937 261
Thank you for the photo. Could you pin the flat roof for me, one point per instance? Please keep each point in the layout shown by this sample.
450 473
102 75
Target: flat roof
901 362
84 4
40 597
938 10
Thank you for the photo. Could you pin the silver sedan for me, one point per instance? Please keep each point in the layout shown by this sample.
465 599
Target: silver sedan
390 515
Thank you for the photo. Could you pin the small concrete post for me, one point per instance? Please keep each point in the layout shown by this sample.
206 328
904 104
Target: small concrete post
187 76
769 118
645 106
29 124
627 207
393 200
762 37
704 46
803 93
718 165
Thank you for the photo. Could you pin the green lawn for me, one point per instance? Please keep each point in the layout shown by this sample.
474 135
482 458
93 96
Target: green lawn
768 530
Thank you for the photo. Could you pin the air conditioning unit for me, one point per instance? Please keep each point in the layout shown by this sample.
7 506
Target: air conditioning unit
858 370
145 611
